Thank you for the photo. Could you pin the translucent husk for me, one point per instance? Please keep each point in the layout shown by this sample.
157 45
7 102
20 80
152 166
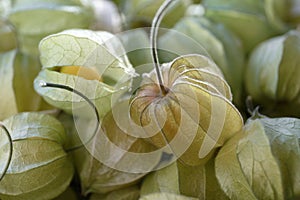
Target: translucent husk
197 34
262 161
254 21
184 118
101 51
29 19
139 13
39 165
17 72
272 75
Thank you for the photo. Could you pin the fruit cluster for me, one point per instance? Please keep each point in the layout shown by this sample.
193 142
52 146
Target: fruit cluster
141 99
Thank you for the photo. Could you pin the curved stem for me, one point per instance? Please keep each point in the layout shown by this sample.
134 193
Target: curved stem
10 150
153 37
64 87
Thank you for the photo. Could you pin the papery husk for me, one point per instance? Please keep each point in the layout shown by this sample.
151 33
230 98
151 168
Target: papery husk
254 21
29 19
130 193
99 50
8 40
17 72
284 137
39 167
210 38
99 164
193 181
194 117
166 196
272 75
139 13
69 194
262 161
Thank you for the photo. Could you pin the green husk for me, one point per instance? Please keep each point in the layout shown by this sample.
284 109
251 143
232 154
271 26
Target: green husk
139 13
262 161
17 72
39 166
284 137
69 194
254 21
166 196
29 19
194 181
84 48
8 39
103 167
272 75
130 193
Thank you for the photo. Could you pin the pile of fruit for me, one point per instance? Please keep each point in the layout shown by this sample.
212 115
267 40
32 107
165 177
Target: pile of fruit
149 100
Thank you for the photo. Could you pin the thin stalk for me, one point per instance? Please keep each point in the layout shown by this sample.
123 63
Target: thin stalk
10 150
153 37
64 87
